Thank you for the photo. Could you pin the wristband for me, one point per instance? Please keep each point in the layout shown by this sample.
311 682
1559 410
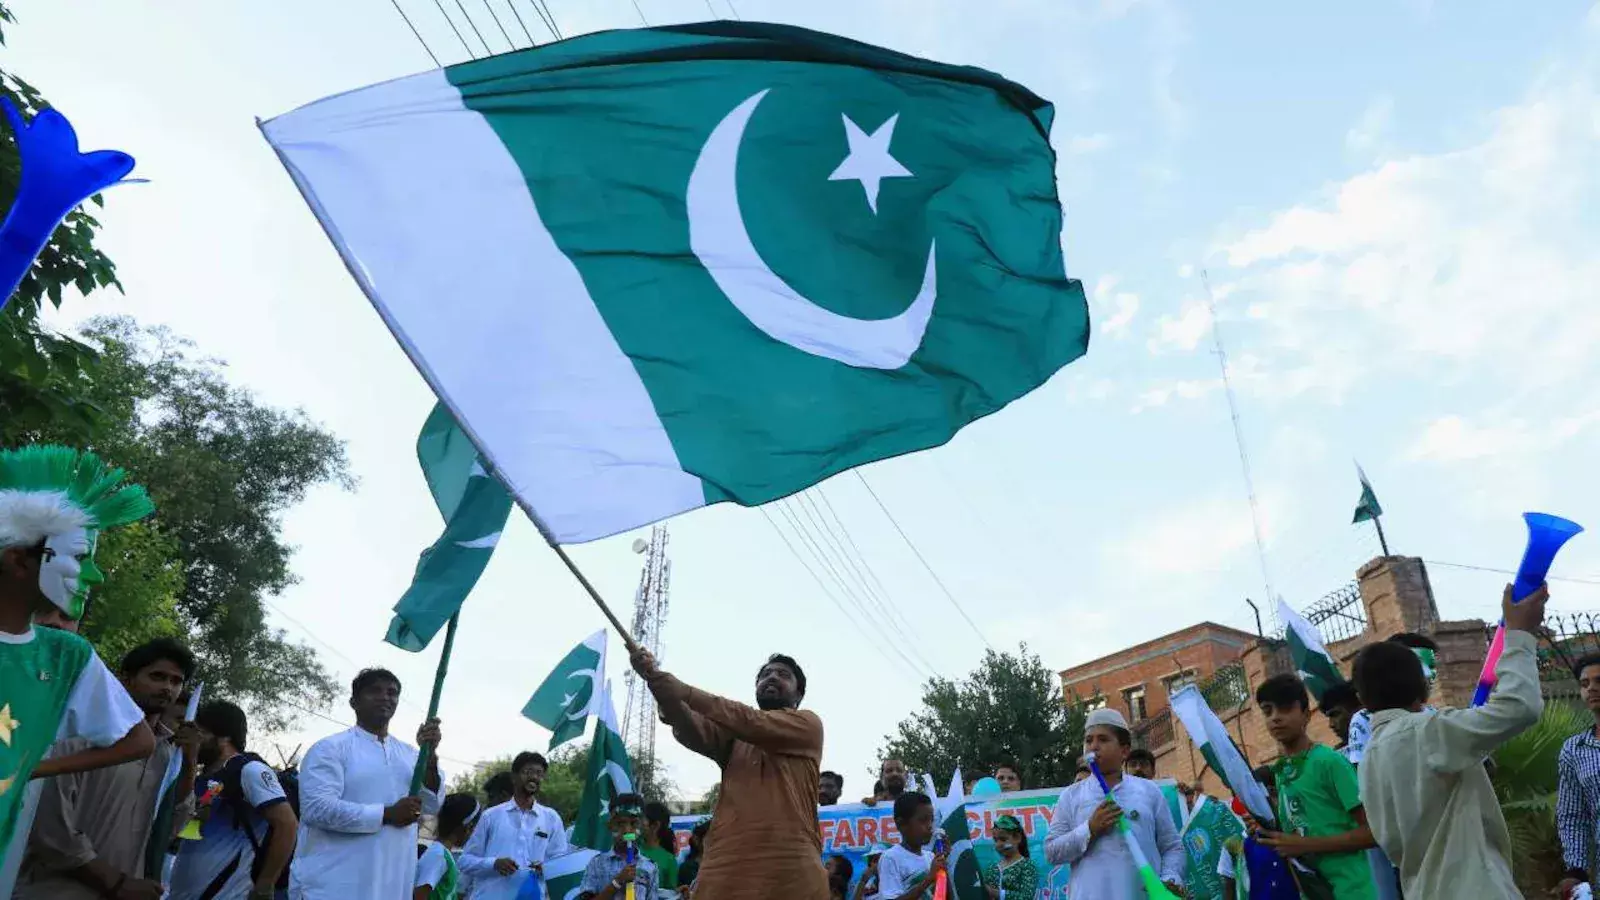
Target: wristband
617 885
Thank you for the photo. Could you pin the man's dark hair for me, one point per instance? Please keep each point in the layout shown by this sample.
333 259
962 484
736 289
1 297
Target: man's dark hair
1414 641
907 804
453 813
837 778
625 800
1340 696
657 812
368 677
1284 690
151 652
1389 676
1012 766
498 783
1592 659
224 720
799 674
526 757
1140 754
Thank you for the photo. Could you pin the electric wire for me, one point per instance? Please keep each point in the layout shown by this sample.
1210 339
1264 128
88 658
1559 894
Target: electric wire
503 33
415 33
524 25
640 11
879 596
474 26
922 559
452 23
542 7
1451 565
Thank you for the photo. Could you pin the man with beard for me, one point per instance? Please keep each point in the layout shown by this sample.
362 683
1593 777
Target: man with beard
764 841
513 840
91 829
358 824
829 786
247 832
892 775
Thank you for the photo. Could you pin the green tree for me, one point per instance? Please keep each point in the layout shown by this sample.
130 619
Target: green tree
1009 710
144 602
222 468
1525 783
46 378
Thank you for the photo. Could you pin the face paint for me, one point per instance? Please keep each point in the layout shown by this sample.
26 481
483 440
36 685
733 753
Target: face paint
68 571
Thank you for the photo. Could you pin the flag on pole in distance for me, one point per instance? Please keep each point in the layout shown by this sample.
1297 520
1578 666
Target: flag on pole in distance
475 507
1367 507
570 693
1310 656
609 773
651 270
1220 753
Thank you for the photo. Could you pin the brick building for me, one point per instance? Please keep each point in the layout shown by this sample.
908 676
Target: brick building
1138 680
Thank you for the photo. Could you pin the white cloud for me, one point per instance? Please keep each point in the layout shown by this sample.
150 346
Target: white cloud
1179 389
1084 144
1182 331
1367 136
1116 308
1453 439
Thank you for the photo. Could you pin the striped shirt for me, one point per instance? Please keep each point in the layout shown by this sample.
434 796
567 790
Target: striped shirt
1578 799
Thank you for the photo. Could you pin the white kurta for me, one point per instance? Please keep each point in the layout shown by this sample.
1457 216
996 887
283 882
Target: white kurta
508 831
1102 867
345 852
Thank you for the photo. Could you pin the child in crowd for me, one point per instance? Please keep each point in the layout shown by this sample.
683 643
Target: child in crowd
657 844
1319 800
908 870
1232 861
1013 877
1141 763
1434 808
867 887
690 867
437 875
608 874
840 872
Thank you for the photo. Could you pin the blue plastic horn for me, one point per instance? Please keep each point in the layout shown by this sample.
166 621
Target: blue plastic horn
56 178
1547 534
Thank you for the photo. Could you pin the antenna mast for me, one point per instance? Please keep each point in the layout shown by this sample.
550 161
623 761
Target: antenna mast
1244 456
649 615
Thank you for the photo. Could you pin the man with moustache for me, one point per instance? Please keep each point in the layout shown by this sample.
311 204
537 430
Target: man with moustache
892 775
764 841
513 840
247 833
91 829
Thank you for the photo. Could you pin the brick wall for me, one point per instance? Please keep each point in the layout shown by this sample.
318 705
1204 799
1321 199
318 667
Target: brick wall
1200 649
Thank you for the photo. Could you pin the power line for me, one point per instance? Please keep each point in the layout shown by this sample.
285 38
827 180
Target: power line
415 33
1450 565
543 9
503 33
439 4
528 34
864 570
922 559
474 26
640 11
735 10
826 591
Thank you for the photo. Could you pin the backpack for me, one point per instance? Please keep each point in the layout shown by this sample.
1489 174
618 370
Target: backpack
233 791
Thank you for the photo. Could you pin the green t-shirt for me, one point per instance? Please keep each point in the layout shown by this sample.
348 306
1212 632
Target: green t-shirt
1317 797
666 865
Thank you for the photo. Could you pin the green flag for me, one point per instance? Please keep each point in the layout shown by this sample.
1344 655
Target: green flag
1211 738
475 507
1312 659
1209 827
1367 508
609 774
725 261
569 694
965 878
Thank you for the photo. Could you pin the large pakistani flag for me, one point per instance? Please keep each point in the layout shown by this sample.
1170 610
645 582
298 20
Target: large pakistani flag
1310 656
475 508
652 270
609 774
964 878
1211 738
571 692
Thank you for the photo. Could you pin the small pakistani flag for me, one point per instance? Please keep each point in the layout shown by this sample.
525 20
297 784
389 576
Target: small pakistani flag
1312 659
1211 738
475 507
570 693
609 774
1367 509
652 270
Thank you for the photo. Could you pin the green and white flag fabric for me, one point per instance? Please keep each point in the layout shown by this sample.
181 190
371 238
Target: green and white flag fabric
1367 508
965 877
570 693
1208 827
563 875
609 773
1211 738
1311 658
475 507
657 269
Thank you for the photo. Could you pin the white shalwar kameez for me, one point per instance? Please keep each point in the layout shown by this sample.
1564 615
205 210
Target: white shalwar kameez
345 852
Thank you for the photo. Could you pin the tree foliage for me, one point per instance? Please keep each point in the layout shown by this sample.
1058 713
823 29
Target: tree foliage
564 782
45 377
1009 710
222 468
1525 784
143 605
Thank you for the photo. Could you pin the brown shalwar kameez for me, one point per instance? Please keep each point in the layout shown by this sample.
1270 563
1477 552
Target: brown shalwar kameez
763 843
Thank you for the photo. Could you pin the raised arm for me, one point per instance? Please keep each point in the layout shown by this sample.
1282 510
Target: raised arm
788 731
322 803
1458 739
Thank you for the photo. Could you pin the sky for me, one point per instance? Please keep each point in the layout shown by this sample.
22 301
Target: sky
1392 204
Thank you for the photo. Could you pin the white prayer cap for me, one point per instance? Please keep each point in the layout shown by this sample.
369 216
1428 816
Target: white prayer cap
1105 715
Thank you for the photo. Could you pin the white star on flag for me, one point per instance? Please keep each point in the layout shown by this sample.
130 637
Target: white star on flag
869 161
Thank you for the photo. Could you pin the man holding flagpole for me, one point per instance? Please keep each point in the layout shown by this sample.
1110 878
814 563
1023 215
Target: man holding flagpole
764 841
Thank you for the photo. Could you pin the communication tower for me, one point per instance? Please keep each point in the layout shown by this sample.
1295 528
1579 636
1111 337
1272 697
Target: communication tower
649 616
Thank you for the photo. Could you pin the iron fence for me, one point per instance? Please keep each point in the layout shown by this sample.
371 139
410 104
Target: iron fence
1226 689
1567 638
1153 732
1339 615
